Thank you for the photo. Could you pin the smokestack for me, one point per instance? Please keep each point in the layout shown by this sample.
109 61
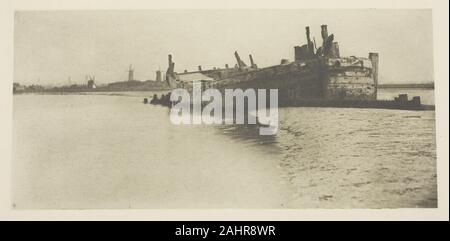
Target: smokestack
199 68
308 37
170 60
324 32
158 76
170 74
309 43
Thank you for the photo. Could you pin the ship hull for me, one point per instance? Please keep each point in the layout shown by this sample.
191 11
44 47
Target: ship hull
315 80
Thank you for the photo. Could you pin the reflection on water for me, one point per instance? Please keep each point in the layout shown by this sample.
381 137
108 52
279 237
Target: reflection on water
97 151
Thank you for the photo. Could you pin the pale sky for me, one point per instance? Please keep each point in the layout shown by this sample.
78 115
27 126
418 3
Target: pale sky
55 45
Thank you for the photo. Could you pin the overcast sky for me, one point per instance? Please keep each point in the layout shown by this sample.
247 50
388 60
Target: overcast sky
53 46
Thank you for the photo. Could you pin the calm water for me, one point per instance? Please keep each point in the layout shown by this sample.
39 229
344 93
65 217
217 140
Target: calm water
112 151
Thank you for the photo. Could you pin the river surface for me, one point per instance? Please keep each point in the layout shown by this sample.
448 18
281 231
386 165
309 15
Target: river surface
109 150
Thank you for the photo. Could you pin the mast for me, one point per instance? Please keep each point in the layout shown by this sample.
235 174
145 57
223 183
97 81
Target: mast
240 63
252 63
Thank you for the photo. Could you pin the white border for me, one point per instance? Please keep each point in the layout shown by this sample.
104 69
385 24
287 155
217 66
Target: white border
440 34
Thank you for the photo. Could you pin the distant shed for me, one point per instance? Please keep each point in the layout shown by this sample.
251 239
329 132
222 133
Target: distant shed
192 77
186 80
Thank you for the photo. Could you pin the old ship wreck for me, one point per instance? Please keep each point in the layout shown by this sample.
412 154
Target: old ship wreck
318 76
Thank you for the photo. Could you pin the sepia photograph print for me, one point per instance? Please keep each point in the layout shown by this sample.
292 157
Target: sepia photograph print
217 109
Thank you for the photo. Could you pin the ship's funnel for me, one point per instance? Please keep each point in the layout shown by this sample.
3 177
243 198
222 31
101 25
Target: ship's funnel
308 37
170 60
309 43
324 32
170 74
171 65
158 76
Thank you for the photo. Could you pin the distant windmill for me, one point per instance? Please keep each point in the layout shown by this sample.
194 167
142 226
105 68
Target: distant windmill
91 81
130 73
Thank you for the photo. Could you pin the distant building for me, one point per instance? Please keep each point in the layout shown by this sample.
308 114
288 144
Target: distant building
186 80
17 87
